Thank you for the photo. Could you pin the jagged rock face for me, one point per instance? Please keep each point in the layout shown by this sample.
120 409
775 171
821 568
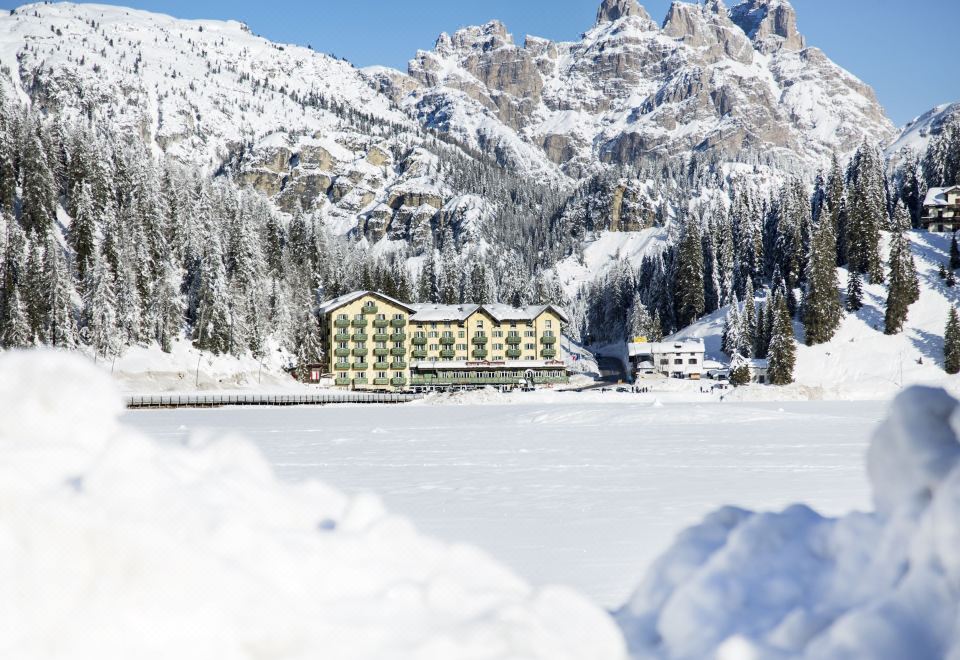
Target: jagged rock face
710 79
614 10
771 24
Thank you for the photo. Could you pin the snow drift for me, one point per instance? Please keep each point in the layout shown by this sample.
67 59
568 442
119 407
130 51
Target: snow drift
795 584
112 546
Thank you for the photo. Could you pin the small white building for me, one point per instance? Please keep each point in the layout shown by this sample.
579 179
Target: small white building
941 209
676 359
759 371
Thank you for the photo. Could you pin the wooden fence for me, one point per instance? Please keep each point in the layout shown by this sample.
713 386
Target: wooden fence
220 400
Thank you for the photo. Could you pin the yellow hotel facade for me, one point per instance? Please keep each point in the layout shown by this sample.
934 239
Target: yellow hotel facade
374 342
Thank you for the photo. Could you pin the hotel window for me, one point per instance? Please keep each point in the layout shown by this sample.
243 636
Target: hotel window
342 317
530 347
664 362
479 333
381 317
678 361
498 347
433 335
692 361
398 317
529 333
343 344
461 347
461 334
548 323
479 324
358 317
548 333
381 374
434 347
498 333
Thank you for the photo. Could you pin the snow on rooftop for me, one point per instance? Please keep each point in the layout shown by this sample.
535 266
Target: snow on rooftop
938 196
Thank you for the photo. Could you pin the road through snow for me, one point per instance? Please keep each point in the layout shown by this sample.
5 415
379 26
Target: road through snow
574 489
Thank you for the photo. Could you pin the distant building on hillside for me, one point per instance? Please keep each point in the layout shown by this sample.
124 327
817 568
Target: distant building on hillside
759 371
941 209
375 342
675 359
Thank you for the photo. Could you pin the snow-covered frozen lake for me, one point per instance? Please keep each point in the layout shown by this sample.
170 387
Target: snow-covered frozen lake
575 489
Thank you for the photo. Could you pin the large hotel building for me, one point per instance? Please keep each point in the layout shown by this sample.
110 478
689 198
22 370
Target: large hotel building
374 342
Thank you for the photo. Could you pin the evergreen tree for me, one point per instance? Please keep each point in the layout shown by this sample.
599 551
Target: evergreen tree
903 288
759 340
83 230
954 254
213 327
99 327
59 324
854 292
739 371
951 343
822 310
16 332
782 354
688 293
867 212
640 322
38 206
309 347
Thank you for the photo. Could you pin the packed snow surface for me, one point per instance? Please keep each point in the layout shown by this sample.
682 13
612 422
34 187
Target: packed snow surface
113 546
584 489
882 585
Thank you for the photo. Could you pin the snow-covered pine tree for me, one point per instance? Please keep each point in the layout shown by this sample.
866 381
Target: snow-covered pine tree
739 371
688 279
98 318
38 205
822 310
749 320
16 328
835 203
759 340
903 289
640 322
867 212
82 235
951 343
213 327
954 253
782 353
854 297
59 322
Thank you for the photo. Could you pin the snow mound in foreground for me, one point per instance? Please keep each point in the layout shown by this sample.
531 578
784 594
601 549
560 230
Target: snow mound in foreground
745 585
113 547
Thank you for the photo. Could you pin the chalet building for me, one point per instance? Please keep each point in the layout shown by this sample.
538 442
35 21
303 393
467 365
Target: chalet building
679 359
941 209
375 342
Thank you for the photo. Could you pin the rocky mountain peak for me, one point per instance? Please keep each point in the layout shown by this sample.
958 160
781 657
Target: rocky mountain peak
489 36
612 10
771 24
709 29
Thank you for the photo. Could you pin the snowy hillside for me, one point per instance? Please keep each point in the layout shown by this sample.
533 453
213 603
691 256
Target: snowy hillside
861 362
917 134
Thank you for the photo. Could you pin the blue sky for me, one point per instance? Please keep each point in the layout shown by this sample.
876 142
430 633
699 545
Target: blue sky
905 50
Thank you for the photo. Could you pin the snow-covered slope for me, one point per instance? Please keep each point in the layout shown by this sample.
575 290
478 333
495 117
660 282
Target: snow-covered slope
916 135
115 547
861 362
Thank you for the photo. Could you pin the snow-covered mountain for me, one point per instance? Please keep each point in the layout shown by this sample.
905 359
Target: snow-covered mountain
739 83
916 135
355 146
